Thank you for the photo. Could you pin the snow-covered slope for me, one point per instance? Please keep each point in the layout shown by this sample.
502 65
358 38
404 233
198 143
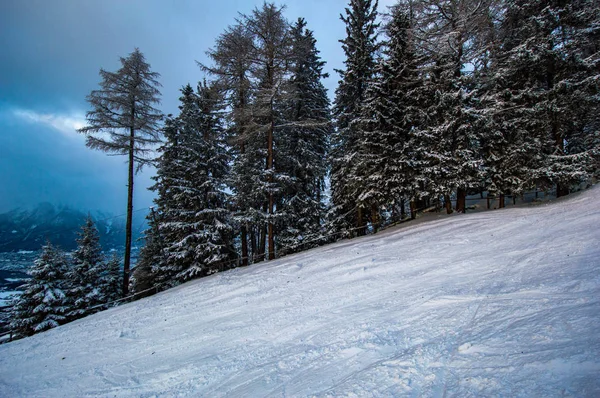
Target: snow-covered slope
499 303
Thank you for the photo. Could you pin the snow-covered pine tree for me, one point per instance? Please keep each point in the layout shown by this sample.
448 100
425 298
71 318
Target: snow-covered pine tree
583 45
512 152
447 29
110 281
248 196
360 46
392 151
270 56
215 250
542 104
150 258
303 142
84 275
124 121
169 189
43 303
194 224
231 70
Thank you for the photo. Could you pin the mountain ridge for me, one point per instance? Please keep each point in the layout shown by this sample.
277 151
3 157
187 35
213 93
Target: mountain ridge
28 229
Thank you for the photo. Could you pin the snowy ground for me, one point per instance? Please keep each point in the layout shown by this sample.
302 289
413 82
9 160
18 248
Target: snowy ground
499 303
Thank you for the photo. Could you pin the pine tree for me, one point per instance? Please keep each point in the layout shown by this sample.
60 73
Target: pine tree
391 151
170 193
448 30
110 281
43 304
151 259
216 250
541 105
84 276
303 145
360 46
123 109
270 58
195 225
249 199
251 66
232 61
512 151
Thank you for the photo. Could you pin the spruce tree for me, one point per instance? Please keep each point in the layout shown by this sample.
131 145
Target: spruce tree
391 151
110 280
447 35
150 260
85 273
269 67
541 104
251 66
303 145
360 46
248 196
170 193
43 303
195 225
231 70
124 121
212 161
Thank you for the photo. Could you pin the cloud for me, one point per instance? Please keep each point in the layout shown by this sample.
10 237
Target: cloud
65 124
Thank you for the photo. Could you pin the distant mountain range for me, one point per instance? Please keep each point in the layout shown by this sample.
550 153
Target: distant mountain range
29 229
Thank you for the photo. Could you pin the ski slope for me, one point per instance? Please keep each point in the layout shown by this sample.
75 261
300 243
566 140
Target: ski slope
497 303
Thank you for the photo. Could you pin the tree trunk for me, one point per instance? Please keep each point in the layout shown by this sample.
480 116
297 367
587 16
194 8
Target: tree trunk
244 237
501 201
413 210
375 217
271 199
127 261
448 204
253 242
271 241
461 200
244 227
359 222
261 243
402 210
270 74
561 190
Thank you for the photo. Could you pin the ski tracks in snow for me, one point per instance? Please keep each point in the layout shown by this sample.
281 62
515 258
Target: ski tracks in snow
501 303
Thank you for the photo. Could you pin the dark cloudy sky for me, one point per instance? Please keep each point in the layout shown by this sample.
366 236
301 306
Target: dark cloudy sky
50 55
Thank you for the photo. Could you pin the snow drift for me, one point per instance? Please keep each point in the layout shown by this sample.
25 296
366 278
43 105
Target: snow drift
504 302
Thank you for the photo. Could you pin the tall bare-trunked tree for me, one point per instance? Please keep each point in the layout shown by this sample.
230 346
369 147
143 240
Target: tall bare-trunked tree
124 121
